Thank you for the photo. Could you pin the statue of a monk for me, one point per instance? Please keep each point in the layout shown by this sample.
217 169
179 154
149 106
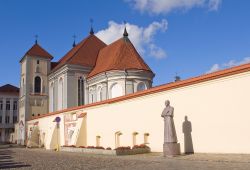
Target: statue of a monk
169 128
171 147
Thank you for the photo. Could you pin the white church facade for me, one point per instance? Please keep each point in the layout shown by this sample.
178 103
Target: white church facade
90 72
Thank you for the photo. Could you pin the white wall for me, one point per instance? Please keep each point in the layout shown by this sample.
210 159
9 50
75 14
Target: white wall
218 110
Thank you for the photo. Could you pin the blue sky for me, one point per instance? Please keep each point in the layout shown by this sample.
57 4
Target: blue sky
189 39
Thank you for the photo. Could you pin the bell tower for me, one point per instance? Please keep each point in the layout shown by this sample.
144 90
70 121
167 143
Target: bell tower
33 99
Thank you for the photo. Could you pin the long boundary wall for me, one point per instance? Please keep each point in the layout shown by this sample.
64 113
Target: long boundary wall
217 105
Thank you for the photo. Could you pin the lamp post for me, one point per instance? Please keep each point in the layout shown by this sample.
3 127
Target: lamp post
57 120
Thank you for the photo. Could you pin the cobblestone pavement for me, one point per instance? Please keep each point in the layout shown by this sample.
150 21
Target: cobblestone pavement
23 158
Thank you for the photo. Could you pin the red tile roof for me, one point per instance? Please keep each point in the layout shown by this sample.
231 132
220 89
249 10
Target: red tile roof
37 50
53 65
9 89
85 53
120 55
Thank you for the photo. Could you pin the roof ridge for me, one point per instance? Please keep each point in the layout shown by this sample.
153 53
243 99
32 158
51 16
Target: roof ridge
80 45
139 56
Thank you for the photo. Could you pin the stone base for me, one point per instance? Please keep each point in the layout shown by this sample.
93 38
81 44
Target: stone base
171 149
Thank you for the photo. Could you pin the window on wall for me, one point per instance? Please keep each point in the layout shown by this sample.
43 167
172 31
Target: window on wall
141 86
100 94
1 105
91 96
0 119
7 119
116 90
7 105
37 84
80 91
51 97
60 94
15 105
14 119
37 62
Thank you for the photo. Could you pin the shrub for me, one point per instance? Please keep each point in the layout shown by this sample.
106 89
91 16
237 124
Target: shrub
99 147
108 148
123 148
90 147
140 146
81 146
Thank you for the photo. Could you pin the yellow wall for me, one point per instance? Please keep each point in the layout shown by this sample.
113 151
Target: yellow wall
218 110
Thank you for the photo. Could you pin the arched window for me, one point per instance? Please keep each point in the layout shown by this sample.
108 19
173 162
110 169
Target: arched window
80 91
51 97
60 94
116 90
141 86
91 96
99 94
37 84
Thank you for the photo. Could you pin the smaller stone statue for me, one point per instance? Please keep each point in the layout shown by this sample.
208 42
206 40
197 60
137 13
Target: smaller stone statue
170 146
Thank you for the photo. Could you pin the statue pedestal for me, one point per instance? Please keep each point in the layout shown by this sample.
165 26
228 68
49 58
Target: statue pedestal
171 149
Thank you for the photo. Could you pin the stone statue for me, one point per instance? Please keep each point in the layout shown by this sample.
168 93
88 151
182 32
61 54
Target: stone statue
170 146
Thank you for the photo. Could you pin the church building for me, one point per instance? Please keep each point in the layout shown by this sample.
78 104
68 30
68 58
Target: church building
90 72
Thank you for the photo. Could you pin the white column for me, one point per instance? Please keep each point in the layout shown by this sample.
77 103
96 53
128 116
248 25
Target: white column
11 110
4 111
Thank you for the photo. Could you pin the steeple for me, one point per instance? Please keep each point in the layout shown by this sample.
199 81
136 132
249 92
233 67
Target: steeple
74 43
91 32
125 33
36 37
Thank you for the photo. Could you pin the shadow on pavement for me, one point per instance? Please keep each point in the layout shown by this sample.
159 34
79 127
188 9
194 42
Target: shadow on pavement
6 160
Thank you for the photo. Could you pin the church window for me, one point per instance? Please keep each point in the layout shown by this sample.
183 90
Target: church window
141 86
116 90
37 84
0 119
100 94
91 96
37 62
80 91
15 105
7 105
14 119
60 94
1 105
51 97
7 119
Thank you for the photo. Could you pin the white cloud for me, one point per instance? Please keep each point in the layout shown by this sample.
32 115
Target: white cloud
141 37
215 67
166 6
231 63
213 5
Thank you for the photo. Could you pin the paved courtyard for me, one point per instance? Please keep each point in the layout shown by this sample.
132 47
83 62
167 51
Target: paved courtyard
22 158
